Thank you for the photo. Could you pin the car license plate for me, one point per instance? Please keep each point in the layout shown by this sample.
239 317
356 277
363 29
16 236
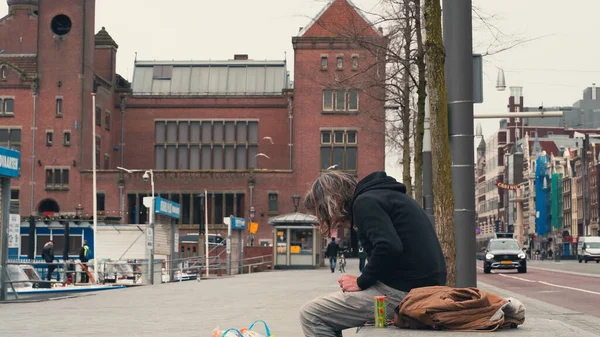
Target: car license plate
506 262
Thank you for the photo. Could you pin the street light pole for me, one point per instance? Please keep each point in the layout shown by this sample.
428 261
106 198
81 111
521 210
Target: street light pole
148 174
458 41
94 187
152 215
206 254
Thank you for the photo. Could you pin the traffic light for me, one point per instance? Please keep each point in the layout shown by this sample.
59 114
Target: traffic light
497 222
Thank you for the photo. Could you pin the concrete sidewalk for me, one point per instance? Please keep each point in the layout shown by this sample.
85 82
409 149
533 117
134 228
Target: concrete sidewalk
195 308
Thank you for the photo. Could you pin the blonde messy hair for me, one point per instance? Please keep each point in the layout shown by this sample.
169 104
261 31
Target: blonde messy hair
329 198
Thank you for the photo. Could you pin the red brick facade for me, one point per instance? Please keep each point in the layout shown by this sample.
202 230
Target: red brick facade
46 69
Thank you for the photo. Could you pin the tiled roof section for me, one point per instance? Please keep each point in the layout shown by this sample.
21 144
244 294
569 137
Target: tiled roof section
340 18
104 39
26 64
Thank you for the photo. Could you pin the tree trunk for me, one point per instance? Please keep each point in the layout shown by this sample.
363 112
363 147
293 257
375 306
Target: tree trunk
421 94
440 147
405 106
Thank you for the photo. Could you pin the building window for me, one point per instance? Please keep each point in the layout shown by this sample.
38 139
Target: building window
14 201
106 161
57 178
354 62
49 137
162 72
340 100
323 62
273 203
98 116
206 145
3 70
67 138
100 202
339 150
339 65
8 106
98 146
59 107
107 120
10 138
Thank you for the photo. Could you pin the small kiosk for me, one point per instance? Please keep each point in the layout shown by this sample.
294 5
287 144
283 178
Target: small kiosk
297 241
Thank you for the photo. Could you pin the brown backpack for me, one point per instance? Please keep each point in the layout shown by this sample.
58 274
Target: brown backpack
461 309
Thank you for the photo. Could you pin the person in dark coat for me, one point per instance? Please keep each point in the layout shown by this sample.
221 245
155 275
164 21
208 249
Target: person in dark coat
402 248
332 252
48 256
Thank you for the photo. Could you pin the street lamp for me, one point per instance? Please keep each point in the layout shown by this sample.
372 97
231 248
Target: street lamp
296 201
148 175
201 196
252 214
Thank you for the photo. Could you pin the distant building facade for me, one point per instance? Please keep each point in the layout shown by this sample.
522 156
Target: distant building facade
239 128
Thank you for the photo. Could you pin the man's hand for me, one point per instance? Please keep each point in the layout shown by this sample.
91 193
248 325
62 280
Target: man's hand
348 283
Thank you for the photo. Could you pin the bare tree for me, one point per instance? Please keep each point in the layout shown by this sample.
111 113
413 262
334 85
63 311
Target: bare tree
440 146
421 95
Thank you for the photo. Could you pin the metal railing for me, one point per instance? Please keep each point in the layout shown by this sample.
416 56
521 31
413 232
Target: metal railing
252 264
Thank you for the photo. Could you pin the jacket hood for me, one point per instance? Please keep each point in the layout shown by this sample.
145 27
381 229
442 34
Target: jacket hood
378 181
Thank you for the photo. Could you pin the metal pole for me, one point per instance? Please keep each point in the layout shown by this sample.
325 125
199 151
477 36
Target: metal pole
33 130
5 182
228 247
152 216
586 142
427 161
458 41
519 115
94 189
206 254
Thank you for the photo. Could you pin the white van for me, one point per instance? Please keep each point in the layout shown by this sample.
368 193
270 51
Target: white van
588 249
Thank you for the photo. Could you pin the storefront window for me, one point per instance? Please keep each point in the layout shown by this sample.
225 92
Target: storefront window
281 242
301 241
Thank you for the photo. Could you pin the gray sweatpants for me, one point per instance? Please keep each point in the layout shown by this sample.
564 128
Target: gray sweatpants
328 315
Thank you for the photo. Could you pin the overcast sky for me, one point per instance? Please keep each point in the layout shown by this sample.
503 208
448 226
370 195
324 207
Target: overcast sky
553 69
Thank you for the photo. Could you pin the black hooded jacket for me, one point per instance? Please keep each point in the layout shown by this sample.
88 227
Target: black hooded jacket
403 249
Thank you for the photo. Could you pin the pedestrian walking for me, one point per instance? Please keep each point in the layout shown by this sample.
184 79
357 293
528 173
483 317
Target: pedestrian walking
48 256
332 253
342 263
85 254
362 257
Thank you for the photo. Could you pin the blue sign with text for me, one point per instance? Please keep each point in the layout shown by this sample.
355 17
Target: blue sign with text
167 207
10 163
238 223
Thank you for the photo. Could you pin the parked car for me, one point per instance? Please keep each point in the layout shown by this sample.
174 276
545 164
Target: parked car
504 254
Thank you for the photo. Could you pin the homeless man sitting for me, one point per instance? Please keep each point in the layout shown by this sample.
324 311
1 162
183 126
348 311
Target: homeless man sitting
402 247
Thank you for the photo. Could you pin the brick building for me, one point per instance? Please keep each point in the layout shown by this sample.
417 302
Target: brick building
239 128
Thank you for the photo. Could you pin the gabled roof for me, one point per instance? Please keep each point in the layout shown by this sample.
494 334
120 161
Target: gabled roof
340 17
26 64
104 39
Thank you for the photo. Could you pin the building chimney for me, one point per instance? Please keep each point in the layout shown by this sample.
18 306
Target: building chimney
593 91
240 57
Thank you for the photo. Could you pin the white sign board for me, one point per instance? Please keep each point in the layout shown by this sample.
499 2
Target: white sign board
14 231
176 243
149 238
